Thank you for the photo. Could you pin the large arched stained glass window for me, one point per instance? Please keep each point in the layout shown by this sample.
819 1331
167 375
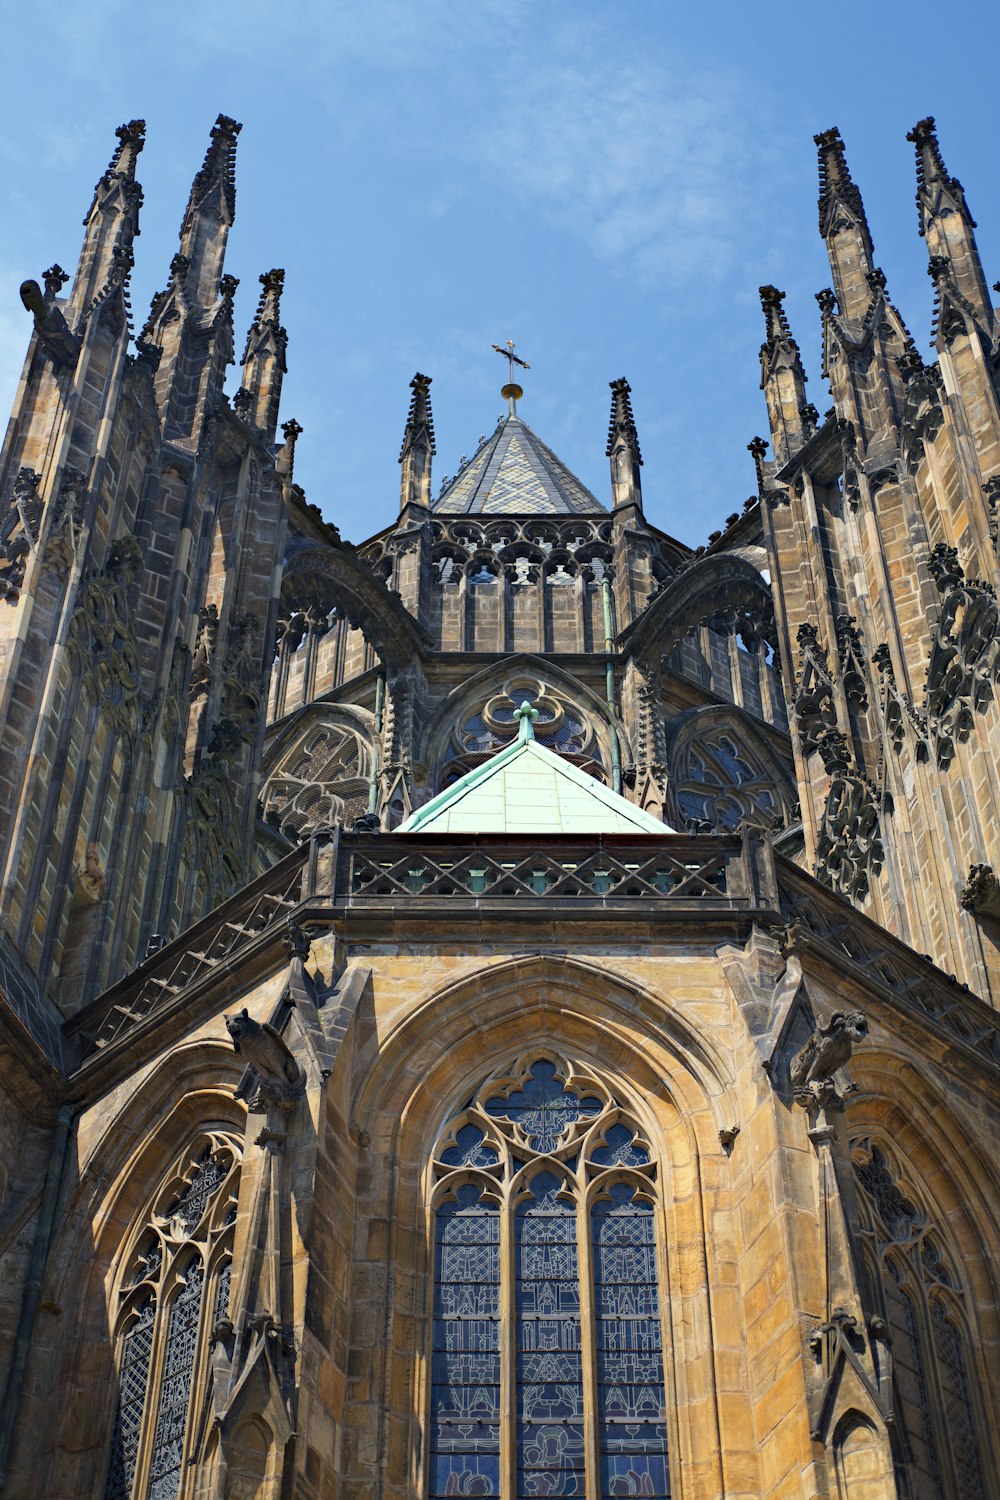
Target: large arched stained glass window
174 1288
547 1372
917 1288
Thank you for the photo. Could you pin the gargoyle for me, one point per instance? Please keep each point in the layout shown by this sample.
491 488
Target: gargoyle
62 346
827 1050
261 1047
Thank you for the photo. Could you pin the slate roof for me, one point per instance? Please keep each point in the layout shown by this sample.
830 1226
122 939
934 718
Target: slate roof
527 788
514 473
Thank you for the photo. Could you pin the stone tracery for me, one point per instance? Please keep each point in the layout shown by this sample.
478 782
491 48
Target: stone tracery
542 1148
915 1285
173 1289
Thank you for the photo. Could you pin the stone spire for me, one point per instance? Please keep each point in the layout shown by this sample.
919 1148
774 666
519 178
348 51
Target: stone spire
783 380
209 215
844 227
947 225
189 331
111 224
623 449
264 359
418 446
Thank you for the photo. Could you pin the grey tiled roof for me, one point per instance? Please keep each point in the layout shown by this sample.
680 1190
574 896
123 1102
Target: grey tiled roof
514 473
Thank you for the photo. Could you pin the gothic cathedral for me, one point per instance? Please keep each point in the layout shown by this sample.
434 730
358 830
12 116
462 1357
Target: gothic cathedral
507 1006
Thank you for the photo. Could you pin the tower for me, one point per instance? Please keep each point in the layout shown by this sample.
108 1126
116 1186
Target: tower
514 1019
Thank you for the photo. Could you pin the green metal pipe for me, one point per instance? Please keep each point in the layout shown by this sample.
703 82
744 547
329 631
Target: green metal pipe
609 679
373 780
33 1284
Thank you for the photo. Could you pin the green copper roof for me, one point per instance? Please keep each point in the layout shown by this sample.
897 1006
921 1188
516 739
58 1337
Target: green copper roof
514 473
529 789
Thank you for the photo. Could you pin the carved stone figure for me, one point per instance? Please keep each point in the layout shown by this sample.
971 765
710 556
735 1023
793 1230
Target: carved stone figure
264 1051
827 1050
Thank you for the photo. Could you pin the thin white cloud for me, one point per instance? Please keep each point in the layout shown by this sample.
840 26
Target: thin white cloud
645 162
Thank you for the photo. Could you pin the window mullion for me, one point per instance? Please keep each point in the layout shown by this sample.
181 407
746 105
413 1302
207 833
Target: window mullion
588 1342
154 1385
928 1357
508 1346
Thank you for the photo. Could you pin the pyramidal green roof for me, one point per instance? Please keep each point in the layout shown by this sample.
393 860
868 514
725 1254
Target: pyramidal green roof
529 789
513 472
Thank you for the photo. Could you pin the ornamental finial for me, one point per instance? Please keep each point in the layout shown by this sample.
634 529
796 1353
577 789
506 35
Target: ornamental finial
512 392
527 716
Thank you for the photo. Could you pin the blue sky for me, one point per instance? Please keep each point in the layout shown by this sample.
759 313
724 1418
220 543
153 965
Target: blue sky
606 183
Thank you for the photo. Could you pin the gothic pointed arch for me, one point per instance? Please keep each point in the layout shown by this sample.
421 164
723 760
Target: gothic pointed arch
478 719
317 770
723 769
173 1290
928 1223
130 1248
416 1096
335 577
723 587
544 1197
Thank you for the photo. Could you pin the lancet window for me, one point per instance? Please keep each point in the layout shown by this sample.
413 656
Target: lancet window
916 1286
174 1290
560 726
547 1366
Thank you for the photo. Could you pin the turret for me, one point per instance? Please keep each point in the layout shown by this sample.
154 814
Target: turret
111 225
264 360
190 323
418 446
844 227
623 449
947 225
783 380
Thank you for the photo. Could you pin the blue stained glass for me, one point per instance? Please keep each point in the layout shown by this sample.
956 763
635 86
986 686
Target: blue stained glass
544 1107
467 1474
619 1149
549 1371
137 1346
465 1364
631 1391
175 1391
470 1150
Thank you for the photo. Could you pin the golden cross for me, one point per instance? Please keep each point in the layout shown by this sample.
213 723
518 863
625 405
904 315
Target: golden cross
511 358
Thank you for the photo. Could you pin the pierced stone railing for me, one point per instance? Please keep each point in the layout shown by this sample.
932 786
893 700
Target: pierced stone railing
197 952
605 870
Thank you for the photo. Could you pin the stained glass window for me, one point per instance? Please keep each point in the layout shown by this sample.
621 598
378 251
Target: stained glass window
165 1319
465 1362
137 1345
549 1372
514 1174
631 1395
175 1391
918 1290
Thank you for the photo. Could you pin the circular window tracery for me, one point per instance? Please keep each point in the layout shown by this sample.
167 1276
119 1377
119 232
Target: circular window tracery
717 778
560 726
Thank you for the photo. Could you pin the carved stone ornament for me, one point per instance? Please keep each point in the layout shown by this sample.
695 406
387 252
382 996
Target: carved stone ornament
850 651
813 705
204 651
827 1051
102 637
981 892
964 656
991 489
899 716
280 1079
849 850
